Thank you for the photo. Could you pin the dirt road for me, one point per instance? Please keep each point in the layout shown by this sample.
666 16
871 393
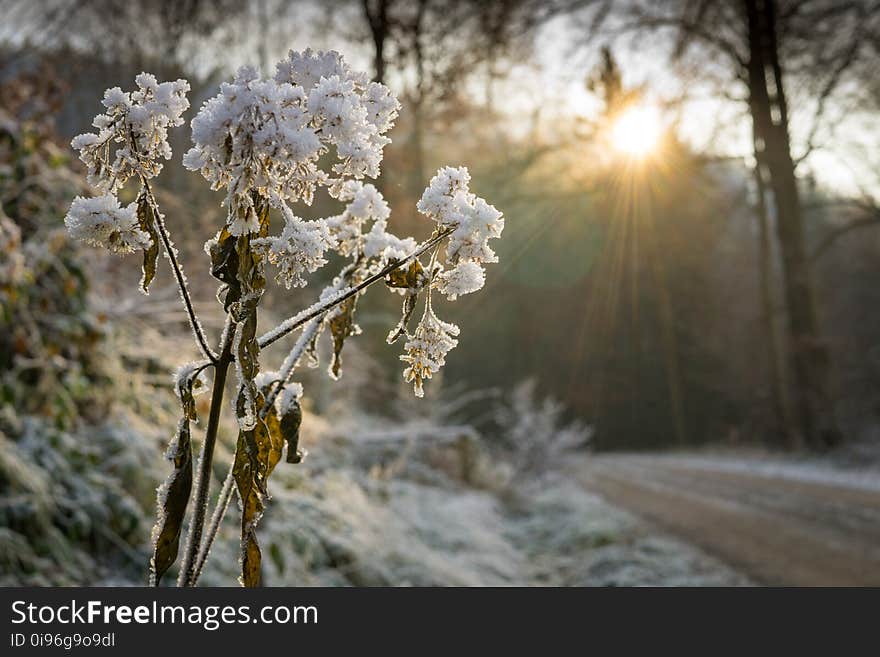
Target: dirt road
777 530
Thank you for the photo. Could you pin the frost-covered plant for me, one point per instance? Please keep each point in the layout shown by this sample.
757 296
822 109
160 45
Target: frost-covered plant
536 432
270 143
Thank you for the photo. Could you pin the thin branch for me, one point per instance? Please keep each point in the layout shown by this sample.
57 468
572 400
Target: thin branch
827 90
869 220
216 520
298 320
692 29
179 275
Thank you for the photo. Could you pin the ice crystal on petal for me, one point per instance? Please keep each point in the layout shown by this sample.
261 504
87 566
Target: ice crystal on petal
101 221
365 204
466 277
480 222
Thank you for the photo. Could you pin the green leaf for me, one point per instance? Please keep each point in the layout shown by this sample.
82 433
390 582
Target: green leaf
172 500
147 223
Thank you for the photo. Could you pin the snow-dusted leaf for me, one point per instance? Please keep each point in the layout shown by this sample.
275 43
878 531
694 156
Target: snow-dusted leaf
290 421
172 500
188 382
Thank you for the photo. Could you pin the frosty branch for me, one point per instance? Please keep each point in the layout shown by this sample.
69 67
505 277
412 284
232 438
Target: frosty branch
265 142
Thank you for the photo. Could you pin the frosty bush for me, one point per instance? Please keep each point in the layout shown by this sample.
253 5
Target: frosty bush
270 143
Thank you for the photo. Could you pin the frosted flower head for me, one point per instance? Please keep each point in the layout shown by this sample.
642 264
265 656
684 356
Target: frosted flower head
365 204
448 201
446 192
101 221
479 223
267 135
466 277
426 349
298 250
254 135
132 137
305 69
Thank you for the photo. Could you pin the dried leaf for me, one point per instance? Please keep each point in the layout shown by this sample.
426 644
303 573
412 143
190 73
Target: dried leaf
147 223
186 386
247 354
413 276
342 326
173 498
256 455
224 267
289 423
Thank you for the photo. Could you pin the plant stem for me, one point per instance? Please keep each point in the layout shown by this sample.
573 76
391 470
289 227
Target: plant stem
216 519
194 539
178 274
227 491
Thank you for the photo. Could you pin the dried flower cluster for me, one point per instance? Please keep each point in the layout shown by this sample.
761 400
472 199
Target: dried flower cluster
132 136
473 222
270 143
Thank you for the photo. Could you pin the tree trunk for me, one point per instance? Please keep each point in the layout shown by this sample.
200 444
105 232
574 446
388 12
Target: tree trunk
784 431
377 19
809 355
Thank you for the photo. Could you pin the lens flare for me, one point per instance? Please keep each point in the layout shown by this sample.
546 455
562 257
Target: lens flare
636 132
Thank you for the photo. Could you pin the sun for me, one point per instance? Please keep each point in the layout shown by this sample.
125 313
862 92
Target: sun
636 131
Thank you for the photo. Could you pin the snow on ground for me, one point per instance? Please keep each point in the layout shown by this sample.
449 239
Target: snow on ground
345 526
857 467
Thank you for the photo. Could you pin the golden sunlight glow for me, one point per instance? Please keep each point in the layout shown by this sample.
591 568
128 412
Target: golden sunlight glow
637 130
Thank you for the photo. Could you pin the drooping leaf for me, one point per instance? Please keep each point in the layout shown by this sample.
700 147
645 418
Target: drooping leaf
146 222
172 500
311 354
247 353
187 385
256 455
342 326
273 423
224 267
251 283
289 423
